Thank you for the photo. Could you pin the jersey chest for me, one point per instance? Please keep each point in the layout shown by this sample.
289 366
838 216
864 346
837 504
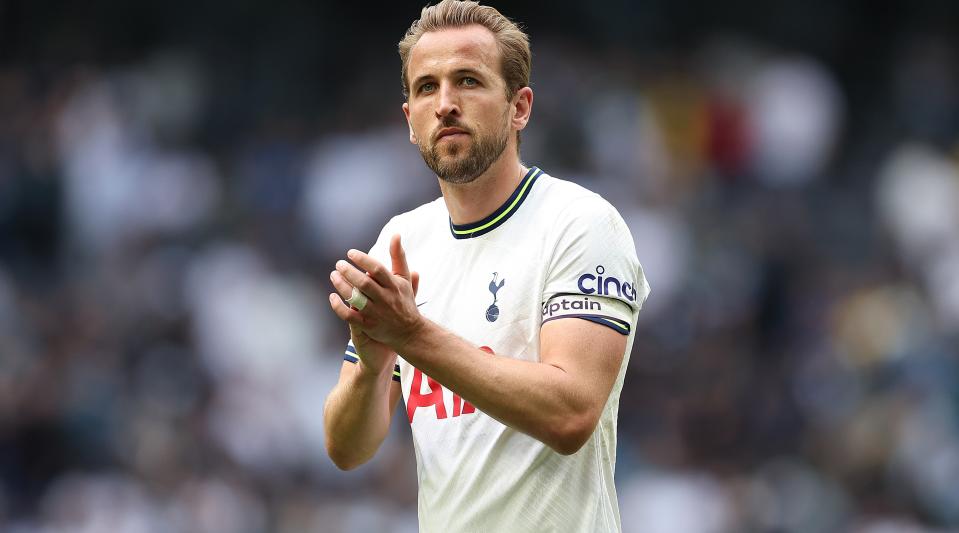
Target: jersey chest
484 291
489 293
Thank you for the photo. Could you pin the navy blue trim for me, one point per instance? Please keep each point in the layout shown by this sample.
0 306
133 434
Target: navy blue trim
462 231
617 325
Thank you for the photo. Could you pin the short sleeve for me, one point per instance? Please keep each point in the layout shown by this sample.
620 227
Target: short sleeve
593 273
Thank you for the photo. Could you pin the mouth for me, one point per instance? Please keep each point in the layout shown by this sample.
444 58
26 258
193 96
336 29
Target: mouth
450 133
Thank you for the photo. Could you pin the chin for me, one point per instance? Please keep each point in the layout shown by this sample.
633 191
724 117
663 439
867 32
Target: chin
452 154
452 145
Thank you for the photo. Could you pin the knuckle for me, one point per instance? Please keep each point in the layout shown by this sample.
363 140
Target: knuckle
365 285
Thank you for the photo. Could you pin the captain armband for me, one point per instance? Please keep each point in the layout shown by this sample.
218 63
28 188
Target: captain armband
609 312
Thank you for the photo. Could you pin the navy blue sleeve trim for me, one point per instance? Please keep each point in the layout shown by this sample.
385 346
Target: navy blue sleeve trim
613 323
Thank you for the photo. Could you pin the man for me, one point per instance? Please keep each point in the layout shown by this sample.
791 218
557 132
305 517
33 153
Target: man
513 347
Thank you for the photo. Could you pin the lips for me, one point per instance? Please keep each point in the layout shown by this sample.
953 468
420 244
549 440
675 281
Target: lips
446 132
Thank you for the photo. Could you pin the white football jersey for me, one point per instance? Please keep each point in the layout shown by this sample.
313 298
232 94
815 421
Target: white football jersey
553 250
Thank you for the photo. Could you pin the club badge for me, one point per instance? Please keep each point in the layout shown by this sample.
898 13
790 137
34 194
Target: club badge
492 312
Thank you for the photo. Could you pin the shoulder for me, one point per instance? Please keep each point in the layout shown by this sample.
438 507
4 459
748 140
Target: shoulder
572 206
582 226
557 190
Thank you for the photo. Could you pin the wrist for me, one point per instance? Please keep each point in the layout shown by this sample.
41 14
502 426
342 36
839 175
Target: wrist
414 333
368 372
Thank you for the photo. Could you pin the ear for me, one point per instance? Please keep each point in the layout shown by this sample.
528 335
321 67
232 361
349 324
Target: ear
522 107
406 111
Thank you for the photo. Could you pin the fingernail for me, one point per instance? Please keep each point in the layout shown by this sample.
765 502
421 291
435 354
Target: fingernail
340 264
352 253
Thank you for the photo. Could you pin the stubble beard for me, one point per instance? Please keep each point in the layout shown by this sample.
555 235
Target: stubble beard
451 166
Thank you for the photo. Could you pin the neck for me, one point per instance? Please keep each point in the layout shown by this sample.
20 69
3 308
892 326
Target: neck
471 202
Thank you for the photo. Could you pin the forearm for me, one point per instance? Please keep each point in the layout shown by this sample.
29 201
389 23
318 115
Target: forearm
541 400
356 417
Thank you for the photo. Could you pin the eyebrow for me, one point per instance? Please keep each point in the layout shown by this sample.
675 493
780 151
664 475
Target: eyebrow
471 71
421 79
458 72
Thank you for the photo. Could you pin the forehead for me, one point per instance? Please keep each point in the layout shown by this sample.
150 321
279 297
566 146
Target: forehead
471 47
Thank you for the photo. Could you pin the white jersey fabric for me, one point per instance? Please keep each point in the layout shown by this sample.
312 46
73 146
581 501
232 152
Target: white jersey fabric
554 250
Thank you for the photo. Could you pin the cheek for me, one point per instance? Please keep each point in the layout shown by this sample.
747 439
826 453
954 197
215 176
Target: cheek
419 119
498 114
486 118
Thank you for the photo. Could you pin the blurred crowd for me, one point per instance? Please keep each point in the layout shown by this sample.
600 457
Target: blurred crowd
166 345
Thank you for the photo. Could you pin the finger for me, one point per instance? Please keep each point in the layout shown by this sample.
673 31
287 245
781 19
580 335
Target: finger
415 281
345 312
361 280
374 268
398 255
344 289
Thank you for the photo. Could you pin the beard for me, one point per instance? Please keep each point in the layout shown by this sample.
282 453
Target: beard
453 166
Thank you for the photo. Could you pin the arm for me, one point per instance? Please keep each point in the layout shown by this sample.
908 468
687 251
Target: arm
357 414
557 401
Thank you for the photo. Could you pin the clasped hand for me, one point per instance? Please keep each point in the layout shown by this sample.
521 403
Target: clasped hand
390 317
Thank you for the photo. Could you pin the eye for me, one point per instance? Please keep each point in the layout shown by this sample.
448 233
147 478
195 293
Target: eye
470 82
427 87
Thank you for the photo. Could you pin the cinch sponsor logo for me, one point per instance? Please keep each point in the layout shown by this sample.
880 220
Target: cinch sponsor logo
579 304
606 285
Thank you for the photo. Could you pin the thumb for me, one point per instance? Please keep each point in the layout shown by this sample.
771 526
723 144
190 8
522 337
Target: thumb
398 255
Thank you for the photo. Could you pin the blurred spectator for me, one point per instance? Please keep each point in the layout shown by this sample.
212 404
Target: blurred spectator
796 112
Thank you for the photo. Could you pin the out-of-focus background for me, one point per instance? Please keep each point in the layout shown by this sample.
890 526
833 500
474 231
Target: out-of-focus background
175 181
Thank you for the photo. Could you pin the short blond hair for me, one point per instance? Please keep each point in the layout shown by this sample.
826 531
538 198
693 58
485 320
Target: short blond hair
516 59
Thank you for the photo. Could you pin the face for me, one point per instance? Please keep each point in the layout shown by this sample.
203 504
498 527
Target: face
457 110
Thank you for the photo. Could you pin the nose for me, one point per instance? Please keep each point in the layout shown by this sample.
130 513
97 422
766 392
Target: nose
448 102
